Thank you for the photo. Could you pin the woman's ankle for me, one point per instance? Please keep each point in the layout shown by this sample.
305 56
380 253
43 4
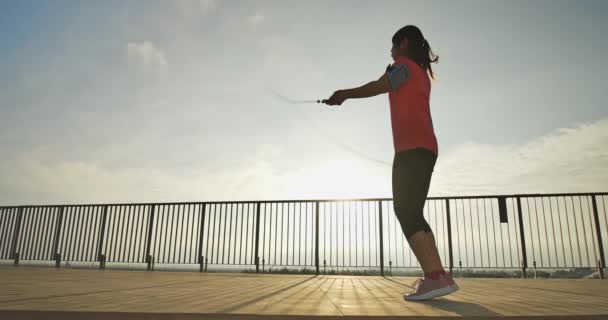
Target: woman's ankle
434 275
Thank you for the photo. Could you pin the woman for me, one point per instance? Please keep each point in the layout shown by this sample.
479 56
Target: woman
408 85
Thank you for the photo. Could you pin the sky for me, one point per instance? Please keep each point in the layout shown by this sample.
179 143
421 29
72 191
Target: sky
154 101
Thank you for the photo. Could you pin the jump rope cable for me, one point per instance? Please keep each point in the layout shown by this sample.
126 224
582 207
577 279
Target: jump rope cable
328 138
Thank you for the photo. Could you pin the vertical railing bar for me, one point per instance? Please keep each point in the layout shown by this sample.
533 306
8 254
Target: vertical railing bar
257 237
94 234
210 232
540 243
236 219
470 218
5 224
531 235
80 242
343 235
33 231
457 230
42 228
116 214
130 232
64 236
281 233
223 211
189 242
48 227
297 207
470 215
192 245
229 238
28 232
306 235
83 233
522 236
165 240
124 233
578 245
149 236
580 203
181 218
174 228
561 233
598 233
485 219
238 237
509 228
265 239
57 232
168 213
369 234
16 233
317 237
201 235
88 233
568 228
116 226
517 239
102 232
449 227
553 230
293 241
79 234
135 234
111 231
334 210
75 213
275 206
479 233
8 220
589 208
381 238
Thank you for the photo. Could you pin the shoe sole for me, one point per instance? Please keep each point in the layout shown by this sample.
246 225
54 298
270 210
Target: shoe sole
434 294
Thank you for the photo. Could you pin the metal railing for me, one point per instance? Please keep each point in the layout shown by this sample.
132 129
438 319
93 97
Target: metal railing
541 231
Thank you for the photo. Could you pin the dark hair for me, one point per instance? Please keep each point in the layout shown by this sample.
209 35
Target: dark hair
418 48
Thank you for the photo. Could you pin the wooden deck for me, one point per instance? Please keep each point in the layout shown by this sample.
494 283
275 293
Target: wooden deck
48 293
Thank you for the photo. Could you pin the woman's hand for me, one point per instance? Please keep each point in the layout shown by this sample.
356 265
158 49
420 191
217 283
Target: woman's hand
337 98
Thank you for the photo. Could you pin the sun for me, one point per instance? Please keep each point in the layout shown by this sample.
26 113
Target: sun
338 178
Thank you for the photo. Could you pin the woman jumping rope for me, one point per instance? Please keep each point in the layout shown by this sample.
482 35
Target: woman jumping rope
416 150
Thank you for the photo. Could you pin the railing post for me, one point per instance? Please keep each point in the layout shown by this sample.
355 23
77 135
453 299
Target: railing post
522 235
317 237
150 259
598 233
56 240
449 222
16 233
201 259
257 238
102 257
381 238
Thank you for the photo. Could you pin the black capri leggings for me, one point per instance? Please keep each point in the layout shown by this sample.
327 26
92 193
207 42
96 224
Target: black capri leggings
412 171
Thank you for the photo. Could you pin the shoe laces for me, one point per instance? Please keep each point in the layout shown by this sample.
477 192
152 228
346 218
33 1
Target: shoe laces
415 285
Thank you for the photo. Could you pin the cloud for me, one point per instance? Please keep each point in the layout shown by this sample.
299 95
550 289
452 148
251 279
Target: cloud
567 160
146 53
256 18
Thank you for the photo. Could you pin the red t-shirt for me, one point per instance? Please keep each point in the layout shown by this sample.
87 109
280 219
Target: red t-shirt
410 110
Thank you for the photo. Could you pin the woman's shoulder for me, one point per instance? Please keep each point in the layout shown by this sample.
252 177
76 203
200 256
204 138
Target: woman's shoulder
411 64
